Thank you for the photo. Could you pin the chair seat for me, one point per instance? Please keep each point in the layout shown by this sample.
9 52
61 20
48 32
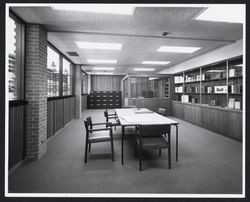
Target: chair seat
99 136
115 122
153 143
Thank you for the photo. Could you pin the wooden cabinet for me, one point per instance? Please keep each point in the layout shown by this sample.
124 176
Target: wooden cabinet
221 120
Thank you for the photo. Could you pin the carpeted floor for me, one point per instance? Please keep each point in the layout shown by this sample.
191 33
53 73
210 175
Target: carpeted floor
208 164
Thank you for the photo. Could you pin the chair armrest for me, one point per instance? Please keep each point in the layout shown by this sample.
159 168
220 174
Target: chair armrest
99 129
105 123
112 115
95 124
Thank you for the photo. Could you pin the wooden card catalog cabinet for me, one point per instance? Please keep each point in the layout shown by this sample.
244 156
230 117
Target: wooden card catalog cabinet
167 88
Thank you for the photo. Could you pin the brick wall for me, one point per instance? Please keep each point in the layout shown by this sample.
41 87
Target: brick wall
36 90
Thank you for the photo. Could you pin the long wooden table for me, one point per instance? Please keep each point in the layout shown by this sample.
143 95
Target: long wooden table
142 116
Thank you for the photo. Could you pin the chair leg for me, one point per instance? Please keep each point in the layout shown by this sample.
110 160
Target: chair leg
86 152
159 152
89 147
169 152
135 148
112 149
140 159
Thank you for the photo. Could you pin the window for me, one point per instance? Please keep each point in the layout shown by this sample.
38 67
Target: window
150 87
53 72
15 50
67 77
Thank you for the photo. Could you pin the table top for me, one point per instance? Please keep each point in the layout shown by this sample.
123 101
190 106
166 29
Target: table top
142 116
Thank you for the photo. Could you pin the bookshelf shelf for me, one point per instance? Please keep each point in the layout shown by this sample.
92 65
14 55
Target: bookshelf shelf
209 80
212 85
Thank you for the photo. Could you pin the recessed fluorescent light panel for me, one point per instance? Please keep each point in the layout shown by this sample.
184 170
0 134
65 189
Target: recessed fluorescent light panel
155 62
178 49
240 65
104 68
231 13
215 71
99 46
144 69
105 9
104 73
97 61
152 78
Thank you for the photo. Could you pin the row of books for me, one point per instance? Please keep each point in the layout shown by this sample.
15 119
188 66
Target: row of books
235 88
235 72
232 104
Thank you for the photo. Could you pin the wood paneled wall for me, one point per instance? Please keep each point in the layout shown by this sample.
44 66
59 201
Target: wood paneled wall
223 121
152 104
84 102
59 113
106 82
16 135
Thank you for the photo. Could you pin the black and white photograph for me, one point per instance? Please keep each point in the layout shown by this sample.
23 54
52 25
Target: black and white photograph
125 100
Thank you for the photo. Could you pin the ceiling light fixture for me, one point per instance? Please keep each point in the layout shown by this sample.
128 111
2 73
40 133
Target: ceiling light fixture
104 73
240 65
155 62
100 61
223 13
216 71
95 8
99 45
144 69
178 49
104 68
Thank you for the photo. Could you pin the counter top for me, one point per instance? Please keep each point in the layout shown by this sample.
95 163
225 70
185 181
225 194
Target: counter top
208 106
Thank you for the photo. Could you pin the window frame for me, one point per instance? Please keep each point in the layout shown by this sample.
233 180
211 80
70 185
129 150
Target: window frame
72 75
61 57
21 57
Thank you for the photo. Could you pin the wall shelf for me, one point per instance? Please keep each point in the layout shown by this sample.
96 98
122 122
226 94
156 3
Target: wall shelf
212 84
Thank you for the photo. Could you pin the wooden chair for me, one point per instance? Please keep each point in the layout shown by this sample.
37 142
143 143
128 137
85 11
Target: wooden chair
162 111
97 135
151 137
111 118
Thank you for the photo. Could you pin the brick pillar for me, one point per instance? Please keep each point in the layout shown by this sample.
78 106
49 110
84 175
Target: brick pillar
78 93
36 90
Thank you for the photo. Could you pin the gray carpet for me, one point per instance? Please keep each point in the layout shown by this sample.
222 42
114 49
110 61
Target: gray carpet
208 164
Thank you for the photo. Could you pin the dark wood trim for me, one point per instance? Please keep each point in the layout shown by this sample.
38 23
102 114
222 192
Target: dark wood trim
83 70
59 97
16 17
15 103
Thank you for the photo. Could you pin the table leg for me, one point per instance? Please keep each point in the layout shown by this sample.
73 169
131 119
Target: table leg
122 142
176 142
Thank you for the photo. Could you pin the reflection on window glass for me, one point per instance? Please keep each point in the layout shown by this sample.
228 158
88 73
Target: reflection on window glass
53 72
67 78
149 87
14 52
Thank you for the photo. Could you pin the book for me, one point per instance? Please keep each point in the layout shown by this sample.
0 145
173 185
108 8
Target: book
237 105
231 103
231 72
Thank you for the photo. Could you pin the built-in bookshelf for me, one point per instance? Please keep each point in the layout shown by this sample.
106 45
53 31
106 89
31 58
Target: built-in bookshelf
219 84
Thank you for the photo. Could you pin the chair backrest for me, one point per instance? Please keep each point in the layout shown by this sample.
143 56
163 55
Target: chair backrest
154 130
162 111
105 113
88 123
